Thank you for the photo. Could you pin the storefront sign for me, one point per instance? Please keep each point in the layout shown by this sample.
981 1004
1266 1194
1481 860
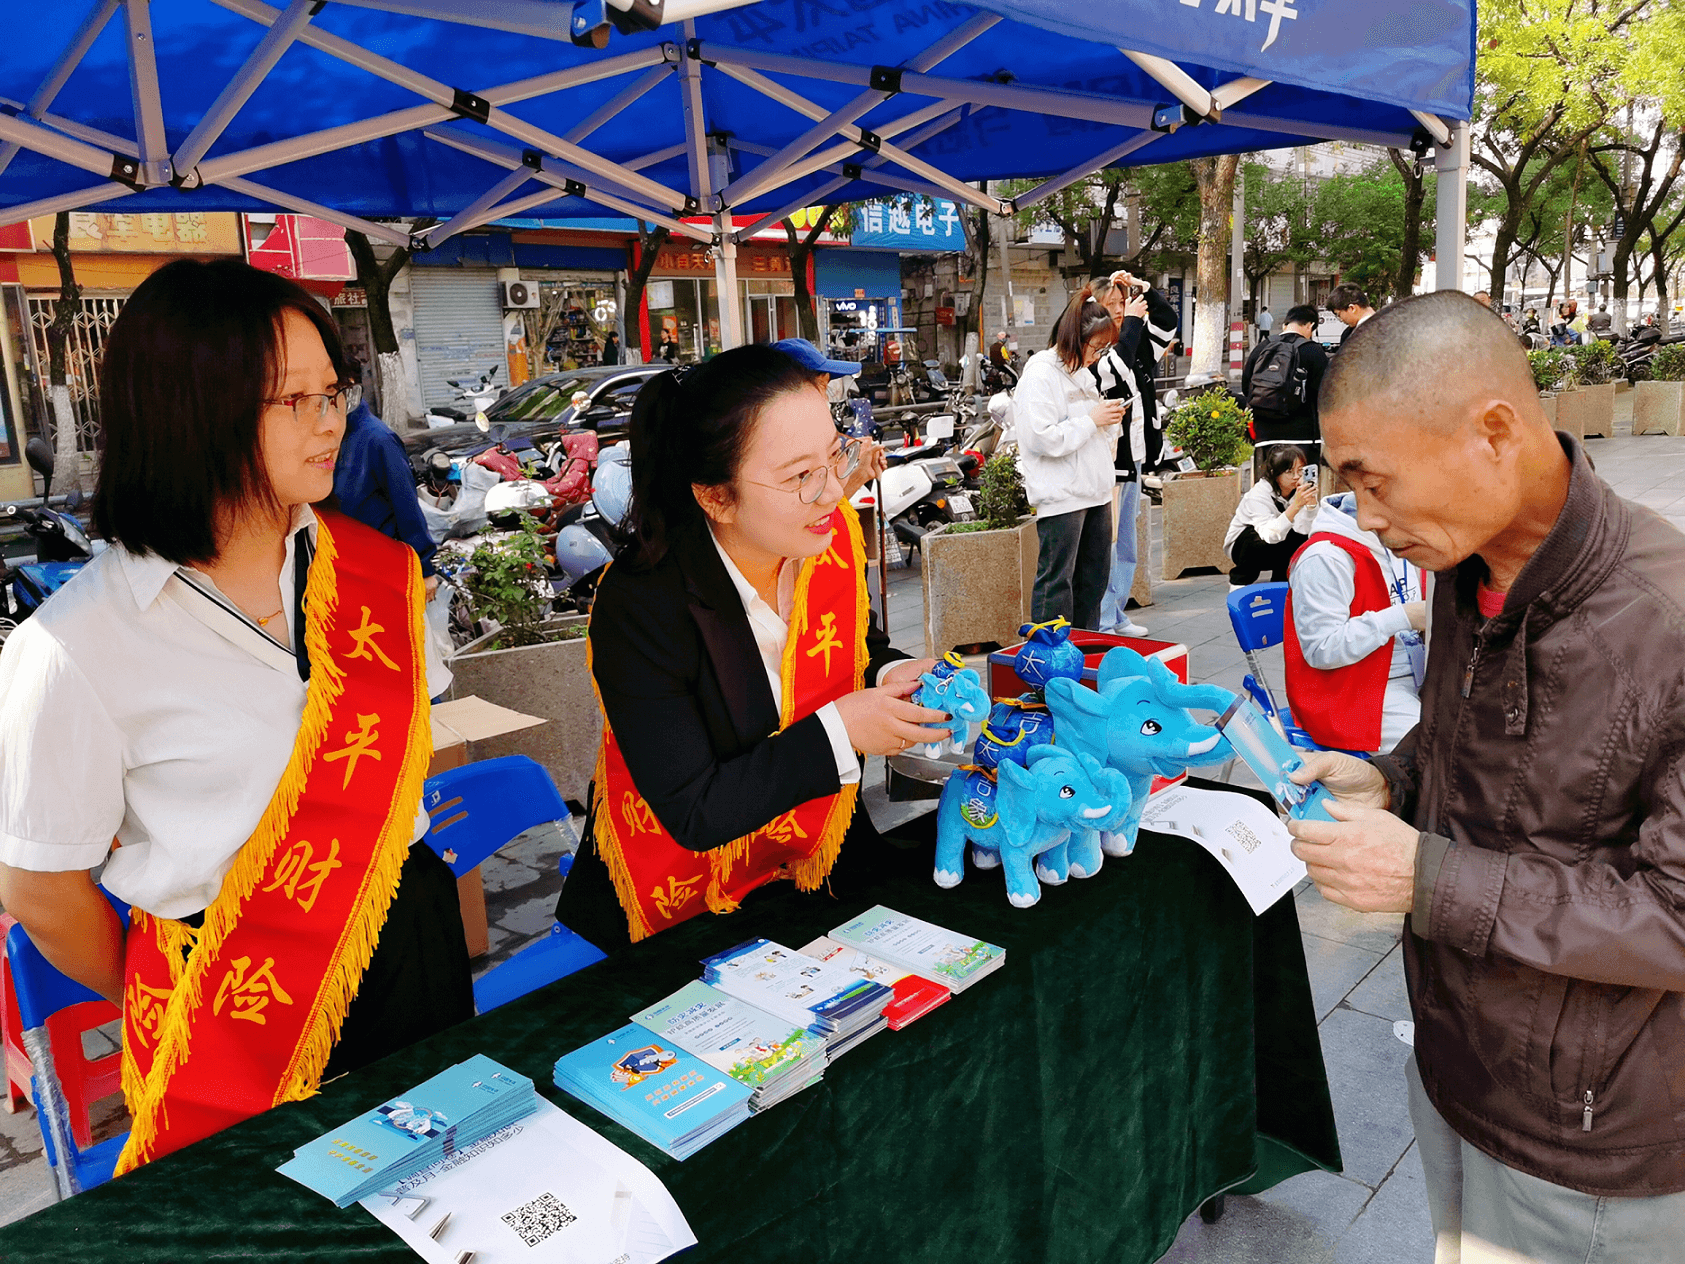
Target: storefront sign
659 294
351 296
184 233
677 261
909 222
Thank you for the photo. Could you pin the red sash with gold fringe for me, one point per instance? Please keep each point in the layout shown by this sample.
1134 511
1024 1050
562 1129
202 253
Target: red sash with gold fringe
660 883
248 1018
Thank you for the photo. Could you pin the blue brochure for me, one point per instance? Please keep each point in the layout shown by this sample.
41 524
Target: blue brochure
1269 754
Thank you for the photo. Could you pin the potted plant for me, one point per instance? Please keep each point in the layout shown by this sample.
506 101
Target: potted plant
978 576
1210 428
1590 410
1658 403
1552 371
529 661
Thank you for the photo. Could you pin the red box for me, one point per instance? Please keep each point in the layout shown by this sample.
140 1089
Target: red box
1006 683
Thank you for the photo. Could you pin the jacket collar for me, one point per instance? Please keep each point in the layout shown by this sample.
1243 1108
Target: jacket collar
724 624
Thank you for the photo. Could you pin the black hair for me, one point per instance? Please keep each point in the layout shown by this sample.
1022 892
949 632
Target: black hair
691 427
188 365
1303 314
1277 459
1083 319
1344 296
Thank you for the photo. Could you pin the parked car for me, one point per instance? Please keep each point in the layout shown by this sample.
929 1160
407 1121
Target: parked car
543 408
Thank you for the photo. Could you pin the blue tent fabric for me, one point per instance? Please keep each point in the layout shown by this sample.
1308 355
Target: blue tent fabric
1336 68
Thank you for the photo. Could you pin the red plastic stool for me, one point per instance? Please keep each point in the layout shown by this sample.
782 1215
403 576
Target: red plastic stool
18 1068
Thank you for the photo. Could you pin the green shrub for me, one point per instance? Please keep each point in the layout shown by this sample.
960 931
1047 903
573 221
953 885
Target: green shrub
1001 500
509 583
1549 367
1668 364
1211 428
1595 362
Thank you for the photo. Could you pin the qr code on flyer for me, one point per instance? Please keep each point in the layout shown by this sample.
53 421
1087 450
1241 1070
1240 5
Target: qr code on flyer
537 1220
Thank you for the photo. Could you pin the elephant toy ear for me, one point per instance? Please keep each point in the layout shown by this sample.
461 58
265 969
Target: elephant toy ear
1173 693
1121 663
1017 801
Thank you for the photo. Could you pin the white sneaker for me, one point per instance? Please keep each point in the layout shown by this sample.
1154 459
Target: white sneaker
1129 628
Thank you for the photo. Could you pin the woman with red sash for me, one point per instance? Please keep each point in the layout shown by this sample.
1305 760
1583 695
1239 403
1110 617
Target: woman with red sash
739 668
228 710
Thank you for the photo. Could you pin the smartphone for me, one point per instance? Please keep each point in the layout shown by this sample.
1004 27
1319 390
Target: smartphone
1308 476
1268 754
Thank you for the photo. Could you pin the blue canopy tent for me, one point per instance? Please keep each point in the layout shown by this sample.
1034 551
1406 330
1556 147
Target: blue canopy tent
477 110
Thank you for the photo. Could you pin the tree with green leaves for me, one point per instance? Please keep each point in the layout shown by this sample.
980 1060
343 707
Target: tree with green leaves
1371 225
1277 216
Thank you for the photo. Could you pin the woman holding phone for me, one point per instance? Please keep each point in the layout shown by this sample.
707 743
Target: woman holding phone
740 669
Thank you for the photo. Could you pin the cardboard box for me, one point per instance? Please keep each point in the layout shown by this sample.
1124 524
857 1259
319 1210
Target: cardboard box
457 726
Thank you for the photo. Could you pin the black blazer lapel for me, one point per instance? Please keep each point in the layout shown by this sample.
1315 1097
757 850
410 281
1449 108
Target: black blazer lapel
724 625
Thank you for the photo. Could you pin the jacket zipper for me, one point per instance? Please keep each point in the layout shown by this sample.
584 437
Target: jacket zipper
1474 661
1585 1125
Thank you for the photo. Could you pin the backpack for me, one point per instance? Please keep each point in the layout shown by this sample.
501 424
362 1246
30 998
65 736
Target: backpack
1278 380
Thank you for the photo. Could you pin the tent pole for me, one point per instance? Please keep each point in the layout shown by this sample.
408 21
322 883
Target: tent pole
72 56
630 94
304 206
849 150
66 149
1452 163
520 205
1048 188
696 124
1178 82
143 90
725 282
73 201
245 81
470 215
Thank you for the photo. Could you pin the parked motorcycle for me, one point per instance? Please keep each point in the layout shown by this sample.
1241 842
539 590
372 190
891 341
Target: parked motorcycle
62 547
473 396
593 534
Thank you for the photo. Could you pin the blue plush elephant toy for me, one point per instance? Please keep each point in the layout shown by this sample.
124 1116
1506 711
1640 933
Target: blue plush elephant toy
1035 809
952 687
1047 654
1137 722
1015 727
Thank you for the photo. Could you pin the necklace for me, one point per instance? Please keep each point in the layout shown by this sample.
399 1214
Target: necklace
264 622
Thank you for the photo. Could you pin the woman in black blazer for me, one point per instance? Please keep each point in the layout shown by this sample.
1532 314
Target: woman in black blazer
738 473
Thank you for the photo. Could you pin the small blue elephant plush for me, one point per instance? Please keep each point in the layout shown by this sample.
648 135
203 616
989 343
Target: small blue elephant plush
1047 654
952 687
1033 810
1015 727
1137 722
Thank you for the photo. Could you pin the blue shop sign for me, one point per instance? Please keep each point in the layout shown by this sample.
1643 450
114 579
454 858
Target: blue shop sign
908 222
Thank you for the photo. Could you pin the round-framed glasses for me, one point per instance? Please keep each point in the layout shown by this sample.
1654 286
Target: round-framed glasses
810 487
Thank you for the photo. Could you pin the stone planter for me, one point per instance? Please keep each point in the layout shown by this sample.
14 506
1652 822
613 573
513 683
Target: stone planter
1547 405
1197 510
1600 411
1658 408
549 681
977 585
1571 408
1143 589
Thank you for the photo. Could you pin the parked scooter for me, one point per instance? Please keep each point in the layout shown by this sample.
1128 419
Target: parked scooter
923 487
62 547
473 396
593 534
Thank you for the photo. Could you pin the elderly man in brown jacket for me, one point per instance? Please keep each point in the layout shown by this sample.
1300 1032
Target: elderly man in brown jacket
1533 825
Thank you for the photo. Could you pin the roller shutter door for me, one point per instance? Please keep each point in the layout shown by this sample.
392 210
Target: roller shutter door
458 328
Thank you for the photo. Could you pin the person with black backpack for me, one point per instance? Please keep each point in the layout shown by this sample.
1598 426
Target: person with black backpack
1280 382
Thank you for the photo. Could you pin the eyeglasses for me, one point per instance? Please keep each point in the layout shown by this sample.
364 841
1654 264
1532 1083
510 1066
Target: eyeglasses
809 487
308 410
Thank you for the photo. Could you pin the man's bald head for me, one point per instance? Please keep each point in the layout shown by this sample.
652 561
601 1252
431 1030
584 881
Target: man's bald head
1430 412
1426 358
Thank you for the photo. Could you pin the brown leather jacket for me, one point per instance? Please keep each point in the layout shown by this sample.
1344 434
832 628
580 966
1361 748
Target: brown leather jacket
1546 953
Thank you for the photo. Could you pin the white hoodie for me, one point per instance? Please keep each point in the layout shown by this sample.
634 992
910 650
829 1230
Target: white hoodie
1324 580
1264 510
1065 458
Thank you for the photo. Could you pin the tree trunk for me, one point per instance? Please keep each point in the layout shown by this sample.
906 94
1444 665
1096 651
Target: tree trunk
1664 309
649 246
801 250
1415 193
398 407
1215 179
60 335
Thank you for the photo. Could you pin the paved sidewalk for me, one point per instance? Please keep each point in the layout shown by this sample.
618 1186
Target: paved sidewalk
1376 1210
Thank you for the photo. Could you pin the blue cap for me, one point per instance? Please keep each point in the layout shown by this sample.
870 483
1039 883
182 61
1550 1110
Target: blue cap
811 357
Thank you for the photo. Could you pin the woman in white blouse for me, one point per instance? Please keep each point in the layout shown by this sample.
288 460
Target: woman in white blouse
1067 443
202 712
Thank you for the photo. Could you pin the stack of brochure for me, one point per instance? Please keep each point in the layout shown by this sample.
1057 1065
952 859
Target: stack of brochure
819 995
774 1056
672 1099
914 997
453 1110
942 956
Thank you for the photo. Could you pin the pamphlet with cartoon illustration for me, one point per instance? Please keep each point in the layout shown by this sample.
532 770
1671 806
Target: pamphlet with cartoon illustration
1269 755
914 996
956 961
823 996
746 1042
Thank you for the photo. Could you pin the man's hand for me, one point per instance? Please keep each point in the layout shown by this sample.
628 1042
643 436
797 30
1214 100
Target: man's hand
874 460
1418 612
1349 779
1366 860
431 584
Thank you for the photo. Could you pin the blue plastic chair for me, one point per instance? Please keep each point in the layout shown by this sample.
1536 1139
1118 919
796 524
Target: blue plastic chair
42 992
1258 614
474 811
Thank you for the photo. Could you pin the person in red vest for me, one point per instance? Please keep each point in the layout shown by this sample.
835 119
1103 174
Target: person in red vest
1354 646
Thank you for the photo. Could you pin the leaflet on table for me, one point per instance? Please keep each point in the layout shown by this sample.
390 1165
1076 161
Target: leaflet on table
1270 756
649 1084
930 951
412 1130
1247 839
915 996
546 1190
791 984
747 1043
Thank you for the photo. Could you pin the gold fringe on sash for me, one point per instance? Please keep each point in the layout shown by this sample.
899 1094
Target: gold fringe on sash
357 943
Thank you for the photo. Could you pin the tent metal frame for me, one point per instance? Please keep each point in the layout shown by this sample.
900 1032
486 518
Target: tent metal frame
566 167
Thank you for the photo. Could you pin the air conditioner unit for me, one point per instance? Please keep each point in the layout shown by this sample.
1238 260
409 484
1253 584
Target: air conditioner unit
519 294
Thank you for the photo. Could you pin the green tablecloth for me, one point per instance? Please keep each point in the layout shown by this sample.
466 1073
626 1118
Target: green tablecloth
1148 1043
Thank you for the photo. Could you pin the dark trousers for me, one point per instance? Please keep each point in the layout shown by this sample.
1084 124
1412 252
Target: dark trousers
1075 562
1252 557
